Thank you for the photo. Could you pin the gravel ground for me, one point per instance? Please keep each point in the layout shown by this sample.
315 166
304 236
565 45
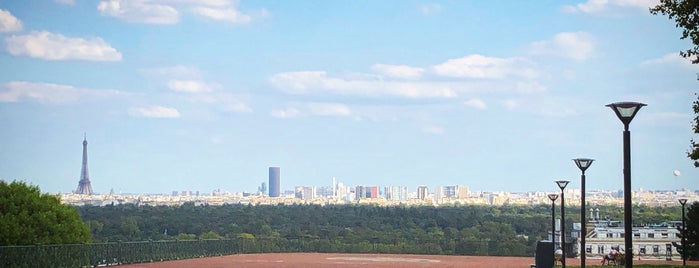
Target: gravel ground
365 260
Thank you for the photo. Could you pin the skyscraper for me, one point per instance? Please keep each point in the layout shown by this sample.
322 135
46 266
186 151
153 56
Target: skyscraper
274 176
84 186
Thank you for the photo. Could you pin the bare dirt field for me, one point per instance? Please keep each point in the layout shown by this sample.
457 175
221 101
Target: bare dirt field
365 260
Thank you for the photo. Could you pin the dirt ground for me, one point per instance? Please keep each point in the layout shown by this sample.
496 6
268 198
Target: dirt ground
365 260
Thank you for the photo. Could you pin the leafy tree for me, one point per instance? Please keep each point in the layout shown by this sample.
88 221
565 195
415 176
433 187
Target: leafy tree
686 16
29 217
684 12
692 236
694 152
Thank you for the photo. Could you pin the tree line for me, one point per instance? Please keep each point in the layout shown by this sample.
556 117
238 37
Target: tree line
511 230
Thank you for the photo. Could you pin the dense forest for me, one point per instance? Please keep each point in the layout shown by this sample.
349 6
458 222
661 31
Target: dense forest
463 230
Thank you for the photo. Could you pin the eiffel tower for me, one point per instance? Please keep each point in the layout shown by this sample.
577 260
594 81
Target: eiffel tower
84 186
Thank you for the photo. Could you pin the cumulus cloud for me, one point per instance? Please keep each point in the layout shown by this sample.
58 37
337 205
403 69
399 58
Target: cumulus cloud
313 109
434 130
601 6
578 46
670 58
476 103
286 113
306 82
431 9
65 2
47 93
139 11
329 109
50 46
482 67
227 14
398 71
189 86
154 111
168 11
8 22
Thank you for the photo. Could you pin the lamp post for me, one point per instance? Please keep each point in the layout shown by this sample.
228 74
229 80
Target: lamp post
553 198
626 112
583 164
562 184
683 201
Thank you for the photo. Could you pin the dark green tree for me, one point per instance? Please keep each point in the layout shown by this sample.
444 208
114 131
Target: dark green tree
694 151
692 236
686 16
29 217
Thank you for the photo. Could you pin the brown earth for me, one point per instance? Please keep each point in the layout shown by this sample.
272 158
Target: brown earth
366 260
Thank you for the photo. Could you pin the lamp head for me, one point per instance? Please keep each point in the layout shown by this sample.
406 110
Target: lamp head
626 110
683 201
562 184
553 197
583 163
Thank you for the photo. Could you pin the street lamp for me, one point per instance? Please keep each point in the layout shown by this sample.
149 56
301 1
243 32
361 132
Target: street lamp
562 184
626 112
553 198
583 164
683 201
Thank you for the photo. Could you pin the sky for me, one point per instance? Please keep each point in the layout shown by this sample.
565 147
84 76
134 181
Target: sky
207 94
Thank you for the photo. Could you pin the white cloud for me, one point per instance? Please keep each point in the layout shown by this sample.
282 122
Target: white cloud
306 82
313 109
329 109
601 6
168 11
50 46
434 130
8 22
431 9
670 58
578 46
189 86
509 104
65 2
227 14
139 11
476 103
398 71
48 93
286 113
482 67
154 111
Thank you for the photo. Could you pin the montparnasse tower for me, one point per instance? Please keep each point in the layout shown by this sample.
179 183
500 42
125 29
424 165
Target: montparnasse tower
84 186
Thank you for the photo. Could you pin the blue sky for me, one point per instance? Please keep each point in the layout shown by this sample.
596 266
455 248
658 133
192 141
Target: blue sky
207 94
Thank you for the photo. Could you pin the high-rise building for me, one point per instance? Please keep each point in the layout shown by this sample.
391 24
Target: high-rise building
421 192
84 186
274 177
396 193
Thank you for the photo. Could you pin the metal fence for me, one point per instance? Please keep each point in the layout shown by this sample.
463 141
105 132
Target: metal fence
103 254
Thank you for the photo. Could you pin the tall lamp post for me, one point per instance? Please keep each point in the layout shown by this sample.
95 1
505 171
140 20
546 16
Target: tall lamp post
583 164
553 198
626 112
562 184
683 201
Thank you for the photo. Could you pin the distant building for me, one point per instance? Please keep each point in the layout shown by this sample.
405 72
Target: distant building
84 185
263 188
422 192
305 192
396 193
274 178
372 192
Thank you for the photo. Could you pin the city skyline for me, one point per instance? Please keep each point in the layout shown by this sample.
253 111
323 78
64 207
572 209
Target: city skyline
203 95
